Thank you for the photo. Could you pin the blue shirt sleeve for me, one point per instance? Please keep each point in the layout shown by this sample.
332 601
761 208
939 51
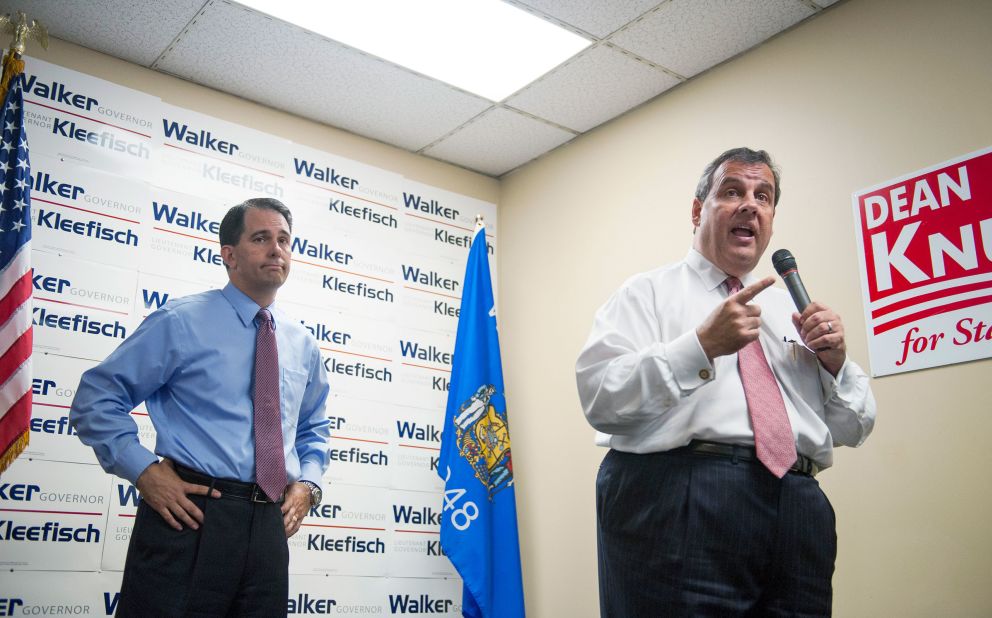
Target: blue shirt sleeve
313 428
107 393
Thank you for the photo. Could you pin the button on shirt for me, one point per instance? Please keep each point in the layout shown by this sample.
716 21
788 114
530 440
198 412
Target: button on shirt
646 385
191 363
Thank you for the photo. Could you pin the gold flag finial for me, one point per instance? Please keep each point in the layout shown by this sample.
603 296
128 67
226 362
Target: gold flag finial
22 29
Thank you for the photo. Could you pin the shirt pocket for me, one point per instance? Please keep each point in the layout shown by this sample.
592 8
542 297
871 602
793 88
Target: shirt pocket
808 377
797 369
292 385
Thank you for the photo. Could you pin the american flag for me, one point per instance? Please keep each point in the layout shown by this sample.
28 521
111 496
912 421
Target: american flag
15 278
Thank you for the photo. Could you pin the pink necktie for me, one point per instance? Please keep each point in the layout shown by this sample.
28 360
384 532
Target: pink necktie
270 463
773 439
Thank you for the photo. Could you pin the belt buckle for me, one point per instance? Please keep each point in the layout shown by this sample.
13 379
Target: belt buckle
257 495
806 466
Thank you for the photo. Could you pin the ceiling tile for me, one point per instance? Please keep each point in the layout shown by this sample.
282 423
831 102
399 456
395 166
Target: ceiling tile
591 88
592 16
498 141
690 36
251 55
223 45
135 31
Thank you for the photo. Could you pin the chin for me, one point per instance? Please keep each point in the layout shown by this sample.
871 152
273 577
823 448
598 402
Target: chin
737 265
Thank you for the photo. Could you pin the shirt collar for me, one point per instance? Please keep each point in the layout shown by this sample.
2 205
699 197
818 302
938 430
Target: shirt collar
244 306
711 276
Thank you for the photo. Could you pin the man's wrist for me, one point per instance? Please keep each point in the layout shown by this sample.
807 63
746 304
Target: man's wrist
316 494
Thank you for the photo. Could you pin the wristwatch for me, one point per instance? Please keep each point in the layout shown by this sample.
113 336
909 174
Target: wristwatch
316 495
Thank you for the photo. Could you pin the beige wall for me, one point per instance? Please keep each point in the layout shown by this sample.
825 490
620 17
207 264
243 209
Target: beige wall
868 91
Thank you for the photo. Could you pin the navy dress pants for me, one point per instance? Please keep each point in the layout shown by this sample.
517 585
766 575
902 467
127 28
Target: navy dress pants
688 534
236 564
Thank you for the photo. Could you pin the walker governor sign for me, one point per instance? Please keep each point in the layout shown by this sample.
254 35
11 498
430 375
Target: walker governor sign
127 197
926 267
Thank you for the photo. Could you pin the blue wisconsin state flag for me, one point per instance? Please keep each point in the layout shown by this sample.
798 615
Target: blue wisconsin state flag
479 518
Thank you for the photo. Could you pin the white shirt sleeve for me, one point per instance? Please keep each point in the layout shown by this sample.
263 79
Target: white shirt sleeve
646 385
849 405
626 373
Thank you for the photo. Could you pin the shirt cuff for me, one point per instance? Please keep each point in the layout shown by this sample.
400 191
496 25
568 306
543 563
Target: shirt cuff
133 461
311 471
690 367
843 385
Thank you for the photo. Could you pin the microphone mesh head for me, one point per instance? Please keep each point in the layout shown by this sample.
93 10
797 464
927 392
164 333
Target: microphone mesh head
783 261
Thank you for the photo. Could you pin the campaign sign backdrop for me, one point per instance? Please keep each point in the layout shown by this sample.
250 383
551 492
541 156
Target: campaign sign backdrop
349 534
67 593
181 237
422 597
415 550
84 212
925 242
417 435
54 386
154 291
337 194
213 157
320 595
81 308
128 196
123 505
86 120
52 515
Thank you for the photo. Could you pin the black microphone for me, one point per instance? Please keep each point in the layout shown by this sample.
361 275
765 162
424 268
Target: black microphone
785 265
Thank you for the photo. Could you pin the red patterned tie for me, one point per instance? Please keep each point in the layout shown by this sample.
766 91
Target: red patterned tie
773 439
270 463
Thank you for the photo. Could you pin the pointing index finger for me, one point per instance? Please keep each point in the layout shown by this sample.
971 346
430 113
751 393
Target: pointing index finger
747 294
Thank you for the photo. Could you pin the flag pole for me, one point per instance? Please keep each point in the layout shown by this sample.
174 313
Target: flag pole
20 29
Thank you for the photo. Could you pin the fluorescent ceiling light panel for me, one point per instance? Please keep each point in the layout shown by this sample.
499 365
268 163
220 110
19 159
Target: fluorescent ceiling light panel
486 47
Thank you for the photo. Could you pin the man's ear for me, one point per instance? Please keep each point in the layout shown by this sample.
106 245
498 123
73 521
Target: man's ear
227 254
697 208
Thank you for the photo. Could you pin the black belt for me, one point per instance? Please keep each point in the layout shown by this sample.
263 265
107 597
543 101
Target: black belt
803 465
227 488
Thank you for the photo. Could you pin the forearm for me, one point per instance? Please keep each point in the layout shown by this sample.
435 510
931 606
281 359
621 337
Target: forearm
620 388
103 422
101 409
313 428
312 435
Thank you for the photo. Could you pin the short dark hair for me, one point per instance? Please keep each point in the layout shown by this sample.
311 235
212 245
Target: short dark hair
740 155
234 221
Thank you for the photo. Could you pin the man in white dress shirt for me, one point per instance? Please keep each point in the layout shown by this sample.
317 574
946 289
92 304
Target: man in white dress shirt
719 403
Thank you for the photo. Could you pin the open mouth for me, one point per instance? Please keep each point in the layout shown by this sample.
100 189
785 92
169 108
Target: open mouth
743 231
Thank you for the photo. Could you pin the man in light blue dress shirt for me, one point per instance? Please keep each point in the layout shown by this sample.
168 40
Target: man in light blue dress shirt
205 540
